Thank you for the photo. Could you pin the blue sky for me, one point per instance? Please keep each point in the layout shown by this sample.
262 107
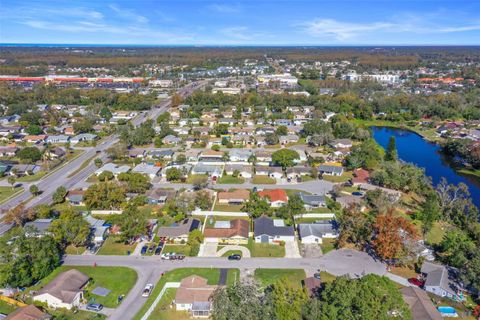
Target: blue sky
280 22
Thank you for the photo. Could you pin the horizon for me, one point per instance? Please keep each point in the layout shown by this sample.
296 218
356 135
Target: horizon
241 23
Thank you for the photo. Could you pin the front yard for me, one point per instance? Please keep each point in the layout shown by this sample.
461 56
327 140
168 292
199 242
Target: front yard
177 248
346 176
230 180
263 180
162 311
269 276
328 245
117 279
7 192
265 250
113 247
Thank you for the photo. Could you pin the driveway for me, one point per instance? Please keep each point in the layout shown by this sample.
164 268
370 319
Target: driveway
244 250
311 250
352 262
291 250
208 249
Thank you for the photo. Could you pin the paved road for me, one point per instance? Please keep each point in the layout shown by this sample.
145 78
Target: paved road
50 183
149 269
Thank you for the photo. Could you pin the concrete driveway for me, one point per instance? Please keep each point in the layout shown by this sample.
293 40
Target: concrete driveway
208 249
291 250
244 250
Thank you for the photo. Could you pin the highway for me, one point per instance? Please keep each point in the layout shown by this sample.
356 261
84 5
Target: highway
51 182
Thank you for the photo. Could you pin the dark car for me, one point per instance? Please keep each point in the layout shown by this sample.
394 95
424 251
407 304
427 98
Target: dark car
144 250
416 282
317 276
158 250
234 257
357 193
94 307
152 247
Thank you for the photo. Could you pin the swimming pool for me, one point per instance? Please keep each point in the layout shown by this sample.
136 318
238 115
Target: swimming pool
447 311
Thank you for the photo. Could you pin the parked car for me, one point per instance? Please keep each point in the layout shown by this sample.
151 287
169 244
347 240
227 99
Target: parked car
94 307
158 250
151 248
317 276
168 255
234 257
416 282
148 290
357 193
144 250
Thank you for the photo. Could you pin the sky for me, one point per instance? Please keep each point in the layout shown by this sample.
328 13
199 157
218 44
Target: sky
244 22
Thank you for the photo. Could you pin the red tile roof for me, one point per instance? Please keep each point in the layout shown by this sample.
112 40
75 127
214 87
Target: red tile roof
274 195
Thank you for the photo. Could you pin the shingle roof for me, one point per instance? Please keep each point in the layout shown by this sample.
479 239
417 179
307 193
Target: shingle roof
29 312
238 227
420 304
66 285
264 225
194 289
184 227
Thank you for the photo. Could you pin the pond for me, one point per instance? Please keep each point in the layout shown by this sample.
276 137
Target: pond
414 149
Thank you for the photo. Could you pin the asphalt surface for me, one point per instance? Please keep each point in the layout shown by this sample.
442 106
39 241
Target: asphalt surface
150 268
60 177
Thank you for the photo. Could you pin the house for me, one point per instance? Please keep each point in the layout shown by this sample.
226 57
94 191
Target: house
136 153
29 312
275 172
316 232
56 152
21 170
341 144
236 197
290 138
312 285
276 197
194 296
97 227
213 171
88 137
113 168
420 304
161 154
35 138
441 280
360 176
228 232
240 155
159 196
243 171
75 197
263 157
64 291
69 131
149 170
37 228
267 230
311 201
171 139
8 151
298 172
57 139
211 156
179 231
330 170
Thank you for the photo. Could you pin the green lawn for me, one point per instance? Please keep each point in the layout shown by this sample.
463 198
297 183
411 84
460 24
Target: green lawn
80 315
263 180
111 247
291 192
265 249
177 248
227 207
327 245
117 279
269 276
163 311
435 235
191 178
230 180
74 250
6 308
7 192
327 277
230 252
212 276
37 176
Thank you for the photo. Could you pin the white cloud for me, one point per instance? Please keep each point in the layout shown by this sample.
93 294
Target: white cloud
128 14
225 8
341 30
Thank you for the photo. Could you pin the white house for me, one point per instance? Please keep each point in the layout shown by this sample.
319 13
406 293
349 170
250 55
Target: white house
267 230
315 232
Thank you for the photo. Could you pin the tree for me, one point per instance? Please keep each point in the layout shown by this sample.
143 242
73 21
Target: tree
281 131
285 157
195 238
59 195
256 206
105 176
132 224
29 154
98 162
105 196
203 200
19 214
34 190
176 100
199 182
354 227
27 260
181 159
286 300
271 139
173 174
117 151
70 227
11 180
106 113
43 211
34 129
136 182
367 155
391 234
216 147
391 153
429 212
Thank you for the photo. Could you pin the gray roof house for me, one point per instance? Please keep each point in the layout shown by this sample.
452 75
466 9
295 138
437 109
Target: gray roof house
441 280
113 168
420 304
40 227
179 231
171 139
58 139
211 170
147 169
83 137
161 154
316 232
159 196
267 230
97 227
330 170
312 200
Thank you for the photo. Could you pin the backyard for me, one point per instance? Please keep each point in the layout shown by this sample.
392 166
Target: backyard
212 276
117 279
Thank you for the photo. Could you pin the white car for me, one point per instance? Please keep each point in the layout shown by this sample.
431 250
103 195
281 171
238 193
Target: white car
166 256
148 290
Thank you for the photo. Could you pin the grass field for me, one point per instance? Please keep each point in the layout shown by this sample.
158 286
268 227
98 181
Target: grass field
6 308
343 178
269 276
263 180
80 315
74 250
227 207
37 176
327 277
212 276
265 250
435 235
117 279
191 178
111 247
177 248
230 252
7 192
327 245
404 272
230 180
164 309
